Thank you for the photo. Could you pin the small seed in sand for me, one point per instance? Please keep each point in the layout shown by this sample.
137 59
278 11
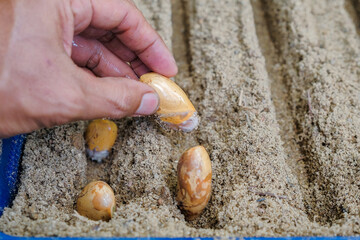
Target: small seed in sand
96 201
194 181
100 136
175 108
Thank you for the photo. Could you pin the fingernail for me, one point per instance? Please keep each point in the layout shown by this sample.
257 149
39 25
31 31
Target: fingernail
149 104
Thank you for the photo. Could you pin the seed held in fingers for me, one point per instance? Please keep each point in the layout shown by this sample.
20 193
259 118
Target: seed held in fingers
175 108
100 136
194 181
96 201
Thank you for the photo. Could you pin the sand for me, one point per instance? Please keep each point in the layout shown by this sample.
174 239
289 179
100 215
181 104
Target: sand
276 84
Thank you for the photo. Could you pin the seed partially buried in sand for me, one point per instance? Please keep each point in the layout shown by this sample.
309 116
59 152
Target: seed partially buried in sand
96 201
100 136
175 108
194 181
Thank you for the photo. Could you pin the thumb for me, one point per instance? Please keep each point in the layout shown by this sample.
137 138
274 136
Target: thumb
116 97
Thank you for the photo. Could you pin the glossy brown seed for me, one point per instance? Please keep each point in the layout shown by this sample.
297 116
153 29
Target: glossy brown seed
96 201
194 181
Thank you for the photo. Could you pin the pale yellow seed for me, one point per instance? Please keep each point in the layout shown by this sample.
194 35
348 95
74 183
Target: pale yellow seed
175 108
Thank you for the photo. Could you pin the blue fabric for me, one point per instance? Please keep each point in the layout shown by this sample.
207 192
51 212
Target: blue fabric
9 166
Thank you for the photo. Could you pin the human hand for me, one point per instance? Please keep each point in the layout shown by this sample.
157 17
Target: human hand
62 61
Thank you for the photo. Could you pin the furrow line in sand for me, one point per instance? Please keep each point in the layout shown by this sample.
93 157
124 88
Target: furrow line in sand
281 99
319 49
238 122
180 43
356 6
353 9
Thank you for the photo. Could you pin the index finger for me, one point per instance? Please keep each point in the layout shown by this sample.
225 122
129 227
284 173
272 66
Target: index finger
129 25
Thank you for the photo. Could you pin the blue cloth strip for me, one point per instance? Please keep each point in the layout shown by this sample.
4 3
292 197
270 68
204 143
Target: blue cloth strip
9 167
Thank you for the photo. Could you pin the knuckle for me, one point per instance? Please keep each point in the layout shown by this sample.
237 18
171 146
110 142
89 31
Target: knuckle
82 11
94 59
108 37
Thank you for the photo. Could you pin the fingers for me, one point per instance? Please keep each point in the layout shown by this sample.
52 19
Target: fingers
93 55
116 47
139 67
120 50
130 27
115 97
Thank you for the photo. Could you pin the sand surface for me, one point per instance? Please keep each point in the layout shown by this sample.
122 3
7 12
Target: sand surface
277 87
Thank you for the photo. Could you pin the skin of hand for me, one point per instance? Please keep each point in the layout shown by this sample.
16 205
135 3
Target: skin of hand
68 60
